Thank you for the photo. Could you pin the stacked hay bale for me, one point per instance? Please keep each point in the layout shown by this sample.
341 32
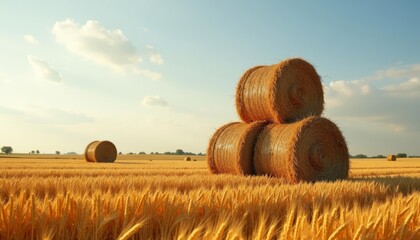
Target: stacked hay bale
101 151
282 133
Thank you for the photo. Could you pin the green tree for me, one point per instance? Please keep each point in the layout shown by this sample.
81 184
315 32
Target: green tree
401 155
179 152
7 149
37 151
57 152
33 152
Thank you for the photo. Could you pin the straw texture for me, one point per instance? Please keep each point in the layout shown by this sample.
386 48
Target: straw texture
391 158
285 92
312 149
231 148
88 157
100 151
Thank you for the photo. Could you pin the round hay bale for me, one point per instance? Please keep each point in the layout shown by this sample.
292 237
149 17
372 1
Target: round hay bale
310 150
187 159
231 148
87 158
100 151
391 157
285 92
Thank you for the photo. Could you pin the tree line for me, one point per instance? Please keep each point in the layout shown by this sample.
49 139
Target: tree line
177 152
9 150
399 155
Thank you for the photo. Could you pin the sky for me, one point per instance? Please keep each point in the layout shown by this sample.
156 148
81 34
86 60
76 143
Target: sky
156 76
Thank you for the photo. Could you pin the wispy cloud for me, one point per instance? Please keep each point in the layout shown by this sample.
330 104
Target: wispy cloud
46 115
397 72
410 86
110 48
154 101
154 56
43 69
30 39
376 100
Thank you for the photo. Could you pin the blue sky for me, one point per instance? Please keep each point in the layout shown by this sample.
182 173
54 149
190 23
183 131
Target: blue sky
161 75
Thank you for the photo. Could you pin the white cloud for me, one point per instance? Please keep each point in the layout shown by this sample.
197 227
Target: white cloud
110 48
43 69
31 39
147 73
399 72
153 101
412 85
386 105
154 56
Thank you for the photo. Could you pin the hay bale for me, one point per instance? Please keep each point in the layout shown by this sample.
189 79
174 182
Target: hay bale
310 150
391 157
285 92
231 148
100 151
187 159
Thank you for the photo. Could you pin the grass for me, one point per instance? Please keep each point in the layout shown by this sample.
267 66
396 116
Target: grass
63 197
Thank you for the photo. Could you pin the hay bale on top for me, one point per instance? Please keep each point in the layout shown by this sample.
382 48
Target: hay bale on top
391 157
312 149
187 159
231 148
283 92
100 151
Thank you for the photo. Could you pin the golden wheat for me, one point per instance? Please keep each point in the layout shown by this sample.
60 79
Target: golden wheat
168 199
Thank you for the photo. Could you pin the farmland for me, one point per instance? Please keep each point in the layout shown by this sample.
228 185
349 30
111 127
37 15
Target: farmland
165 197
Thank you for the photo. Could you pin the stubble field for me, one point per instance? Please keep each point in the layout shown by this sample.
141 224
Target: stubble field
165 197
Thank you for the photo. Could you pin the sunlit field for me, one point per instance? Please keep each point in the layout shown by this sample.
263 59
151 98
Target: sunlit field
165 197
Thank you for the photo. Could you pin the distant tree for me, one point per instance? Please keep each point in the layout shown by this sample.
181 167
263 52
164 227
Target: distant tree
401 155
37 151
151 153
120 153
33 152
379 156
130 153
57 152
179 152
360 156
200 154
7 149
142 153
157 153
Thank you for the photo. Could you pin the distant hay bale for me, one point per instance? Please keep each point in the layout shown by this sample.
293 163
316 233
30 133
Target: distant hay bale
231 148
194 160
391 157
280 93
187 159
100 151
310 150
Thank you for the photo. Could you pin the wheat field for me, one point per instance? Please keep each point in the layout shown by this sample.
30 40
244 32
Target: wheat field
165 197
